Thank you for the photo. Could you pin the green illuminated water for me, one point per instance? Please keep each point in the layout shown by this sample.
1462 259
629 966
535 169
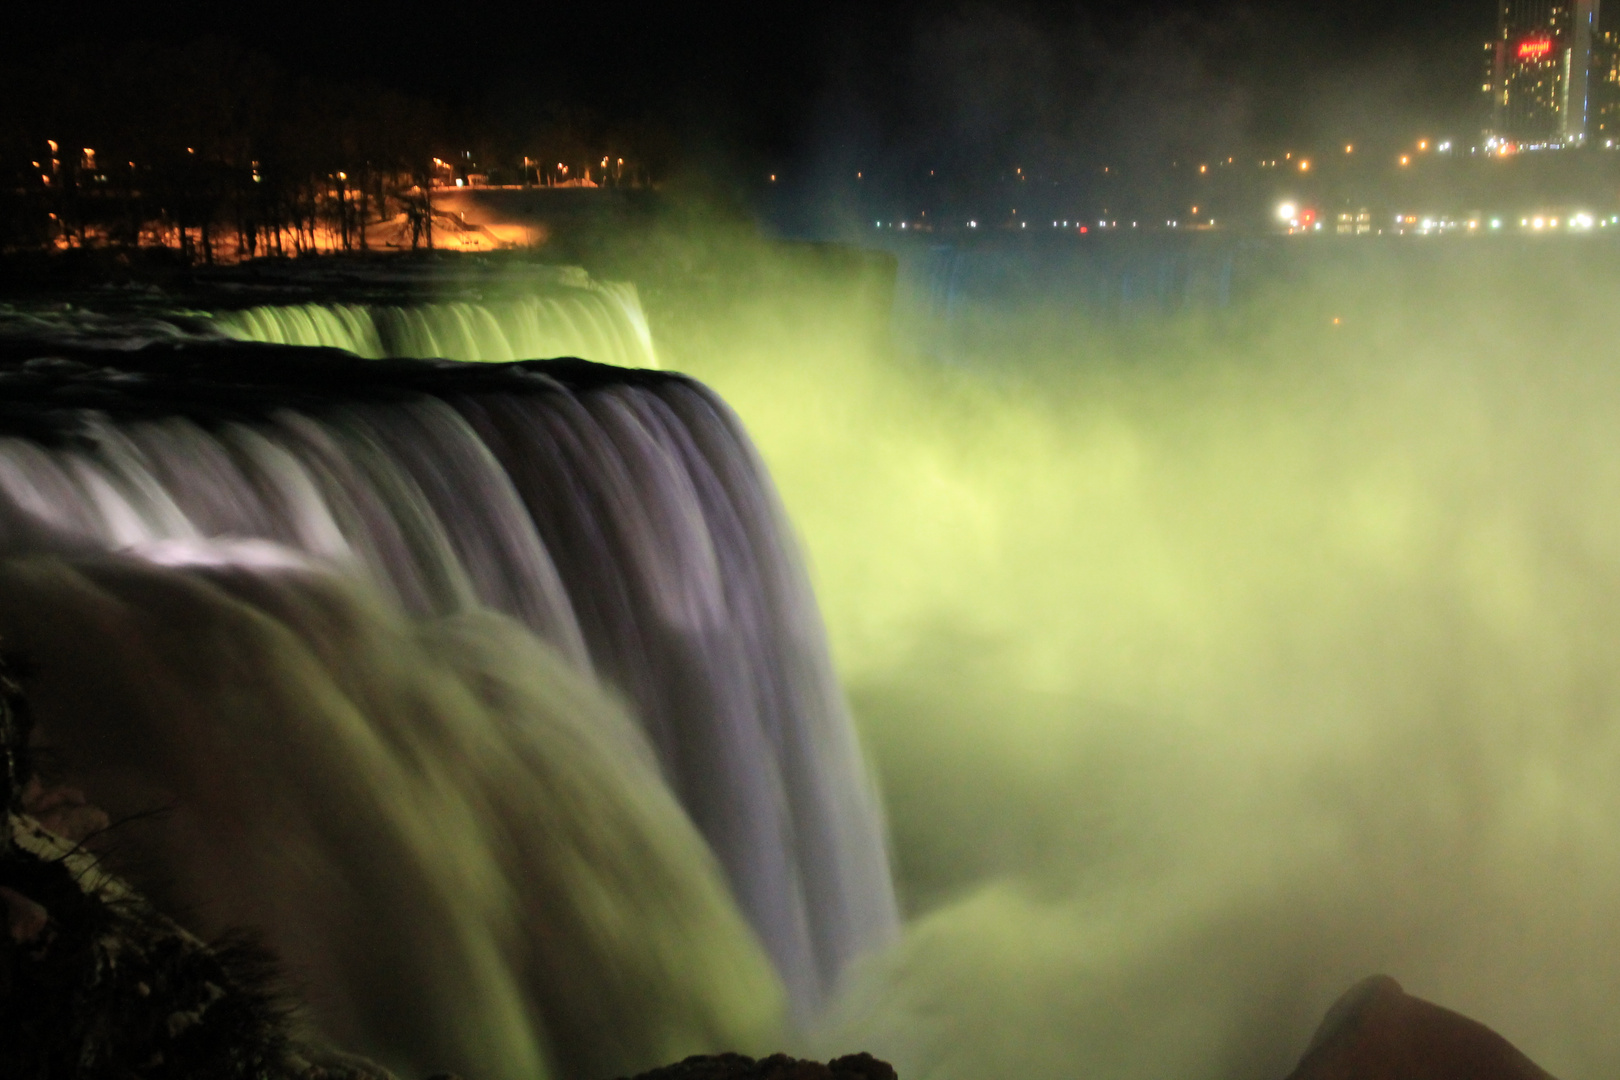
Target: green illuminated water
1211 663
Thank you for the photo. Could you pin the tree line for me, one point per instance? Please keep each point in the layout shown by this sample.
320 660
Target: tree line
213 151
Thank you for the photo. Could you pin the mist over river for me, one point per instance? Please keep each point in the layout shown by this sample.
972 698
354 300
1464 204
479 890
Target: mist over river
1219 626
1212 655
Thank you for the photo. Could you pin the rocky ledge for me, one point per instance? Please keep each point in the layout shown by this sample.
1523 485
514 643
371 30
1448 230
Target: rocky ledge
1377 1031
94 982
775 1067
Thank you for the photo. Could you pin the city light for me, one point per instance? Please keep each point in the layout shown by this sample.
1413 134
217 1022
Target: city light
1287 211
1534 48
1405 160
1304 166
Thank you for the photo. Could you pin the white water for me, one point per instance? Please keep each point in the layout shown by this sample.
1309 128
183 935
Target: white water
629 528
458 846
599 321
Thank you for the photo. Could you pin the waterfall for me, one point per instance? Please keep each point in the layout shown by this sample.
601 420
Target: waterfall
622 518
458 847
600 321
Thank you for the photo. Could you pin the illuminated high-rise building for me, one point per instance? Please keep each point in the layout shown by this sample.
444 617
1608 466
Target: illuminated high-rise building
1539 65
1603 113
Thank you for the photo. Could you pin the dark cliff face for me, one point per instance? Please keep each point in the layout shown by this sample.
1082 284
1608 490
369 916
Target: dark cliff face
14 733
95 983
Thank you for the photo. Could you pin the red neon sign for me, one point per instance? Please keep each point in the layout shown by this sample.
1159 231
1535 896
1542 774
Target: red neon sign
1534 49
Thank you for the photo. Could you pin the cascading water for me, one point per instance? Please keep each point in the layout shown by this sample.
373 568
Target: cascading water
460 850
620 517
600 321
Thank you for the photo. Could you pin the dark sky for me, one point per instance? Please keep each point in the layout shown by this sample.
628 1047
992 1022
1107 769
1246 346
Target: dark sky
777 75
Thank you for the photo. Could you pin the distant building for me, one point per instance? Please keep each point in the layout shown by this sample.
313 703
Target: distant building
1355 224
1603 117
1538 75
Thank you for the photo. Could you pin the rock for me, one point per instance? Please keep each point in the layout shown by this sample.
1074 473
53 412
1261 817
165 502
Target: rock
775 1067
1377 1031
26 919
63 810
95 982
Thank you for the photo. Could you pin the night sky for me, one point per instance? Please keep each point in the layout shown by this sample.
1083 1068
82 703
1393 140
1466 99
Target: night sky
911 79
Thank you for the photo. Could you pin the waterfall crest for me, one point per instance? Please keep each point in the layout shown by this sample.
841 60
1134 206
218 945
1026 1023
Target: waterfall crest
599 321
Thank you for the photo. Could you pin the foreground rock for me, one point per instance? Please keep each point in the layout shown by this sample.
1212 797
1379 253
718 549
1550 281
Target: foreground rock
775 1067
1377 1031
95 983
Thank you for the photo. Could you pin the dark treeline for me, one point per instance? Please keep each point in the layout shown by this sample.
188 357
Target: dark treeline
218 153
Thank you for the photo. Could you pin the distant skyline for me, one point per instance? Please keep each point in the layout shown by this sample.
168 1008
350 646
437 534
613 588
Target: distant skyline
771 78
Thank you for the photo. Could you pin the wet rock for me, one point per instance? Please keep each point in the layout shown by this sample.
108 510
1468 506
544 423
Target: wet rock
25 919
63 810
1377 1031
775 1067
95 982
